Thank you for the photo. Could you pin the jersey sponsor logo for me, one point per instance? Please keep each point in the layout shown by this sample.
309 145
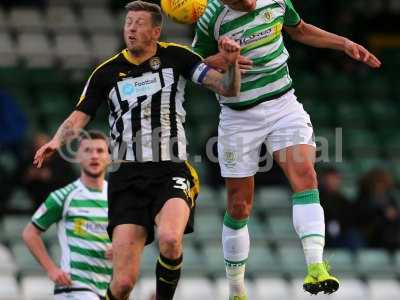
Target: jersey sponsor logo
256 36
155 63
244 38
84 227
145 85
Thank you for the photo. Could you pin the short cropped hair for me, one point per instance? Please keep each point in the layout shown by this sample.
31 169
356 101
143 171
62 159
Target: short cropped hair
92 135
153 9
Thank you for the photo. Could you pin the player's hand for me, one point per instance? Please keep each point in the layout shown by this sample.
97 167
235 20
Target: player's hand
59 277
245 63
45 152
229 49
361 54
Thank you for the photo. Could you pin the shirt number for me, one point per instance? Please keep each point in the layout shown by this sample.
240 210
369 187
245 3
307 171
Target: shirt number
181 183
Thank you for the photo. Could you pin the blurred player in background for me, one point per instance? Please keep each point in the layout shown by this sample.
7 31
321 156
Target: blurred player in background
153 186
81 212
267 111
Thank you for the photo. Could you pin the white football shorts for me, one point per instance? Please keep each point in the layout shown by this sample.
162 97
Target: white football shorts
279 123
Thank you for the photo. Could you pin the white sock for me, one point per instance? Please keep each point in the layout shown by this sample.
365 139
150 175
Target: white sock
309 223
236 247
313 248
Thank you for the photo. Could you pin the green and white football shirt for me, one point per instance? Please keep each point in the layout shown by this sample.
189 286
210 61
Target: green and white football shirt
259 34
81 215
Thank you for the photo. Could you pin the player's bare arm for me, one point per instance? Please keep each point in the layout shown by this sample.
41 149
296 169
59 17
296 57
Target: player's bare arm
316 37
218 62
68 130
33 240
228 83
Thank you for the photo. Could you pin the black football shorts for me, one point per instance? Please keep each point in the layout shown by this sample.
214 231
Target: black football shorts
138 191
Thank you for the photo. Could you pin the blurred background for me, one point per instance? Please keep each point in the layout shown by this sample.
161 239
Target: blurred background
48 49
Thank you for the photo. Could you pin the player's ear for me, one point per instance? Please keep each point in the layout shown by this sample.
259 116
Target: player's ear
157 32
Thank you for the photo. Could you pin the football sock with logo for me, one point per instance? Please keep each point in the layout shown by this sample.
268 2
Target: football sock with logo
168 272
309 223
236 246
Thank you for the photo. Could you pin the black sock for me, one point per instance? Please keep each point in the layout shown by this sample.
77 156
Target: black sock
168 272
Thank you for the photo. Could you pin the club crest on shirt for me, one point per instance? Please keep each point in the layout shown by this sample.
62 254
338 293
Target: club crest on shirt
155 63
268 15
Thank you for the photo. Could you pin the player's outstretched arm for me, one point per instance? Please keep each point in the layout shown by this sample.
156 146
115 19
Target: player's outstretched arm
316 37
228 83
33 240
218 62
68 130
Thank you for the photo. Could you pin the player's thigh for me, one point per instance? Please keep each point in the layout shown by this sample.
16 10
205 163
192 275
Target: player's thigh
173 217
292 128
128 241
78 295
175 200
240 136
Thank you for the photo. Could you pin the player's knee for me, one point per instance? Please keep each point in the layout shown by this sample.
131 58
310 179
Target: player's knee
123 286
170 243
239 209
306 178
239 204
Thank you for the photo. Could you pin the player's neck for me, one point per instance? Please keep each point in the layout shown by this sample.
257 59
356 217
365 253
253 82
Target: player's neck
139 57
92 183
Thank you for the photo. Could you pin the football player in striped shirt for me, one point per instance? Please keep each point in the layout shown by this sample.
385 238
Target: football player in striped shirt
267 111
153 189
80 211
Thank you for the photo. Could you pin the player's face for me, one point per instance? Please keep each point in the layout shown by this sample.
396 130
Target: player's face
241 5
139 31
93 157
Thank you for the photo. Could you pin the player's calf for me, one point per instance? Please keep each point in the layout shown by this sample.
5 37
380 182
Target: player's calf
169 263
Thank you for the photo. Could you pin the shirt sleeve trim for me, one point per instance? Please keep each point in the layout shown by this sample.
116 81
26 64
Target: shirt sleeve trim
294 25
34 223
82 97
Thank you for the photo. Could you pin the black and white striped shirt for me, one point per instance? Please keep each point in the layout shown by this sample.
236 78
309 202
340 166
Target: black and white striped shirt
146 114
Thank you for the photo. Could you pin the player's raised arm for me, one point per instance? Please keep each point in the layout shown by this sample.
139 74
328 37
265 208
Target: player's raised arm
228 83
67 131
316 37
90 100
